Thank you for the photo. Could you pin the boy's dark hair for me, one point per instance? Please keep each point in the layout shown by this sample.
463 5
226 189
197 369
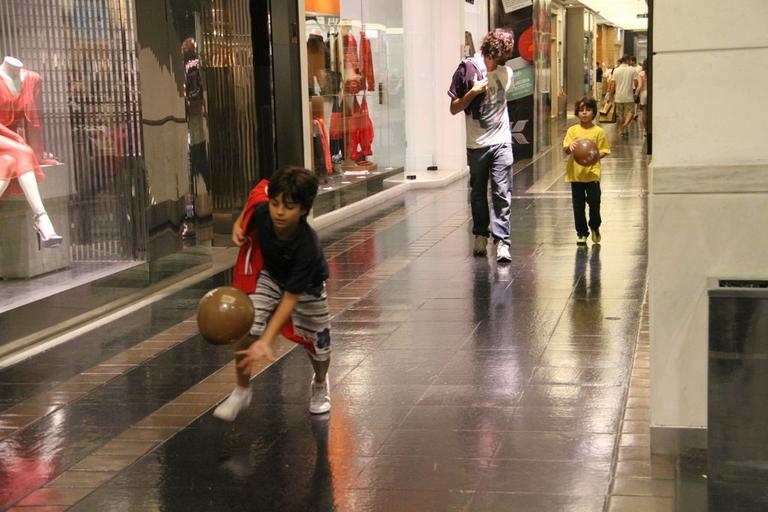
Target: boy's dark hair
498 45
297 183
586 101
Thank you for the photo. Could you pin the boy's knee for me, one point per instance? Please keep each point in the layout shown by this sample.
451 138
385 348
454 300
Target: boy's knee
321 349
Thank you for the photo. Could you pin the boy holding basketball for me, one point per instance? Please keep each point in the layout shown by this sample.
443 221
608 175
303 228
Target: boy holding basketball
584 177
290 287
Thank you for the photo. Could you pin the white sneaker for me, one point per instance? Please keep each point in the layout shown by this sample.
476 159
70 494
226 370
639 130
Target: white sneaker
320 400
502 253
479 246
238 400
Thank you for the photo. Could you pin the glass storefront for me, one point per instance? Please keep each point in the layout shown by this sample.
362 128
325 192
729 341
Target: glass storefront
126 127
355 69
530 98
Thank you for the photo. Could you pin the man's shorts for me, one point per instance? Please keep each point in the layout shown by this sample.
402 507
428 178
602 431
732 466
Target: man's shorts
622 109
311 319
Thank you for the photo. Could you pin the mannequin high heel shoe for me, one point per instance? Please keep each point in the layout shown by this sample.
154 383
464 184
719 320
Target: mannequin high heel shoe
43 240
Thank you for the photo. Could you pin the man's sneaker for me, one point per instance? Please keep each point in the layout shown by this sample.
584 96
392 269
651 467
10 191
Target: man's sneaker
320 400
238 400
502 253
596 236
581 241
479 248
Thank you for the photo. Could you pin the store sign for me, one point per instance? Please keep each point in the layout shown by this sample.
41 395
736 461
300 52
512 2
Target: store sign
513 5
322 7
522 84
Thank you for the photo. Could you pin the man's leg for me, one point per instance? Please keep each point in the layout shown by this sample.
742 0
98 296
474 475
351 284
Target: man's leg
501 192
478 160
619 118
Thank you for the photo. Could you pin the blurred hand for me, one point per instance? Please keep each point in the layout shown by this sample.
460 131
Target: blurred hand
254 355
480 86
238 236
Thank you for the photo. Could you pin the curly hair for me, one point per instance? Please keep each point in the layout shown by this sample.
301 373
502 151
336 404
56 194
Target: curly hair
498 45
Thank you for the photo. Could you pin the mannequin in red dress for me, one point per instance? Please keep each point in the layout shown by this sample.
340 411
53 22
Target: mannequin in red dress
19 167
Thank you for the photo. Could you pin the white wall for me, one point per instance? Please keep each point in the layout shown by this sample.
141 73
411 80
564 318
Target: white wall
708 209
433 40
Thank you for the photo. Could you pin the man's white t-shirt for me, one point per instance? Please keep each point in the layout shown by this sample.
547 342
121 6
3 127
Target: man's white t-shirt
624 77
492 125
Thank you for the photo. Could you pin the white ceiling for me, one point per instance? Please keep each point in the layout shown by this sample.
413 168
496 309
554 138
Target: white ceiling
622 13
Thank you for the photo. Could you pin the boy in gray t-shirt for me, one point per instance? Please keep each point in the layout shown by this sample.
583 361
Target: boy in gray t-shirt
479 88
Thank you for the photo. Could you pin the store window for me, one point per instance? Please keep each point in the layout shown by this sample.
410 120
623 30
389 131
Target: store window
70 144
126 126
356 102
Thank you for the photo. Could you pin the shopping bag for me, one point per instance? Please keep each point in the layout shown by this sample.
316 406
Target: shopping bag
607 113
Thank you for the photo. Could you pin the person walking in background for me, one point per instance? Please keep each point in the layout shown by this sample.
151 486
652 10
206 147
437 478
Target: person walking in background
479 89
622 88
642 93
585 180
599 77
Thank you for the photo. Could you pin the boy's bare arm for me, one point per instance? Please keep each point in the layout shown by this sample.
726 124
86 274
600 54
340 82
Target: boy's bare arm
262 348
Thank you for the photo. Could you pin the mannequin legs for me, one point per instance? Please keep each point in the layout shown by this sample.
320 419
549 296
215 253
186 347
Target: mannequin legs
42 225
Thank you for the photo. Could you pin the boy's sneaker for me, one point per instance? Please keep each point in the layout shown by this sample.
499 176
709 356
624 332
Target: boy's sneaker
581 241
479 247
596 236
320 398
502 253
238 400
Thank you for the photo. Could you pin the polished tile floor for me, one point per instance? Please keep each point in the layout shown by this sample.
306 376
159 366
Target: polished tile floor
458 384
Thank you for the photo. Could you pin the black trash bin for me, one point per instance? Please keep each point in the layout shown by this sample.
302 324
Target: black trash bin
737 430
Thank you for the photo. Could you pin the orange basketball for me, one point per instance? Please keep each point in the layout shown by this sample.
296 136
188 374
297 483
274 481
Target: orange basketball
225 315
586 153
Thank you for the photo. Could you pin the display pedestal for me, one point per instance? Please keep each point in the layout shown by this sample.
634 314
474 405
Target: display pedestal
20 257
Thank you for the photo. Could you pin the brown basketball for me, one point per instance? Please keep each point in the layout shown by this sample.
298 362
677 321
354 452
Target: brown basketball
225 315
586 153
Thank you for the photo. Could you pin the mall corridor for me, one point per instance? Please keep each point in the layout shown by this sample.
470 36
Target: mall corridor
458 384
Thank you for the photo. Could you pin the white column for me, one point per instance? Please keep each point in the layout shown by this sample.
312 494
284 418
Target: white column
450 142
708 209
433 39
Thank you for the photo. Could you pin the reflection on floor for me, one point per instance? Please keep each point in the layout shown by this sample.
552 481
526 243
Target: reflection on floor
458 383
17 292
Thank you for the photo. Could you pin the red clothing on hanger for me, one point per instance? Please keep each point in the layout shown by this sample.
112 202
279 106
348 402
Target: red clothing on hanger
353 135
326 144
367 63
365 136
352 78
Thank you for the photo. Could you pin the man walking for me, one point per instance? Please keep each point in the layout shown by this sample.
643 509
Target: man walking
479 89
622 86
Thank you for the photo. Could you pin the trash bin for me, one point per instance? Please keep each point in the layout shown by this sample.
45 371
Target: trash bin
737 430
